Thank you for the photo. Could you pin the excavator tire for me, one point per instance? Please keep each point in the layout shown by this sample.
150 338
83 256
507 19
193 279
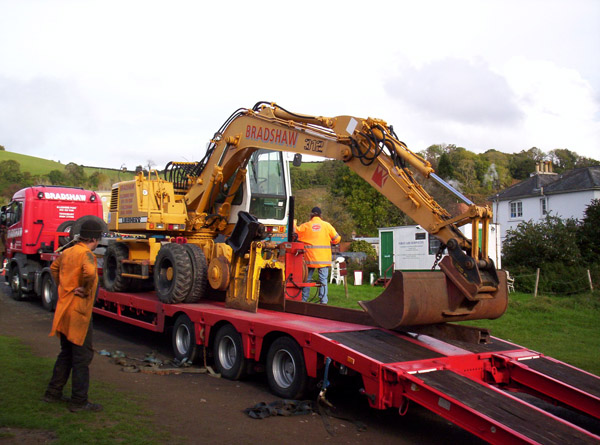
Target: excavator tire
112 269
199 273
172 273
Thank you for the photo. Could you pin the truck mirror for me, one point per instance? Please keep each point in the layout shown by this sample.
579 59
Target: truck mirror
297 162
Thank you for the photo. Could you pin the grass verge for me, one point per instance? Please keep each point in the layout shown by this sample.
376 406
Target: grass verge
23 382
566 328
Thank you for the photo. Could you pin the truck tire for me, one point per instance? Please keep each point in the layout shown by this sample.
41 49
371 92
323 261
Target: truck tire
76 229
66 226
286 371
172 273
184 339
49 293
199 273
112 269
228 352
14 279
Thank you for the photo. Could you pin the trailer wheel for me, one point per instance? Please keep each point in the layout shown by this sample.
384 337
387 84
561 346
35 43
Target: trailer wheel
66 226
228 352
184 339
172 273
199 273
49 293
14 278
286 371
112 270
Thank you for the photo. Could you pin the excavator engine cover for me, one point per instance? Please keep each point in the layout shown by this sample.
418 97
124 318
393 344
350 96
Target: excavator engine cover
420 298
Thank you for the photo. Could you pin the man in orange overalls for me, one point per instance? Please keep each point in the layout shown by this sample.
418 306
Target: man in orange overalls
318 235
75 273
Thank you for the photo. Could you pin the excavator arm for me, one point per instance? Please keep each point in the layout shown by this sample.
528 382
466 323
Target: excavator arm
471 286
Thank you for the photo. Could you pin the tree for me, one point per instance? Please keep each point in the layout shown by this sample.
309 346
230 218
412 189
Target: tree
549 241
564 159
75 174
589 233
2 148
56 177
445 168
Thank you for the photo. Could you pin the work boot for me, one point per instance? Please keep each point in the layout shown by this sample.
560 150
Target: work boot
87 406
54 398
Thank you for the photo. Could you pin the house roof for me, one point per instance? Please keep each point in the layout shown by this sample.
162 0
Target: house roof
586 178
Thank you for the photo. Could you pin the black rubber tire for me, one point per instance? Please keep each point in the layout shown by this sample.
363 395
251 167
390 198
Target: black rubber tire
49 293
14 280
228 352
286 370
199 273
112 269
172 273
76 229
184 339
66 226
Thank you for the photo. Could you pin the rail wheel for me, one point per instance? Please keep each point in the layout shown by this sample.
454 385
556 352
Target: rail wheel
172 273
286 370
112 270
199 273
14 278
184 339
49 293
229 353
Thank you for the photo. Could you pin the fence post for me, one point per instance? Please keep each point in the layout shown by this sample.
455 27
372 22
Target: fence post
537 280
590 280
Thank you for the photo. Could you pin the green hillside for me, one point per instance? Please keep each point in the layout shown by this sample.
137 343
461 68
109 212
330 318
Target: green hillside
40 166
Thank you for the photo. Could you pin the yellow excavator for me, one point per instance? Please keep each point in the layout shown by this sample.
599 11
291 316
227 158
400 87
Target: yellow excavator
197 228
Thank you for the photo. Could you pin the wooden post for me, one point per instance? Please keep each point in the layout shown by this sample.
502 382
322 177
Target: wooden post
346 286
537 281
590 280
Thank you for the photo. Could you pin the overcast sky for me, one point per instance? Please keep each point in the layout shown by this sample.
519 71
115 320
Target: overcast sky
107 83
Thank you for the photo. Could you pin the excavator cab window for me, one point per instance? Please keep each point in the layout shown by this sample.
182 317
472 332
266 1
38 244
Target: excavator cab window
267 185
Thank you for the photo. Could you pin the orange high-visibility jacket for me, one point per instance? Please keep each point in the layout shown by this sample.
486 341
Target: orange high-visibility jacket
75 267
318 235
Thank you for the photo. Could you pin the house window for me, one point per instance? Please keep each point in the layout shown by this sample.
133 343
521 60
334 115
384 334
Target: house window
516 209
544 205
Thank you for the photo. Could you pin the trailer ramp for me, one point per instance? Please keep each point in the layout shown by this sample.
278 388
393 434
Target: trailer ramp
490 413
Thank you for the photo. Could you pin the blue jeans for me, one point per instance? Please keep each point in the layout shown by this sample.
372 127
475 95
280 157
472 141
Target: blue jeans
323 275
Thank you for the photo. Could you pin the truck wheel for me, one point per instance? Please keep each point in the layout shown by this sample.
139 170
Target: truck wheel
66 226
172 273
199 273
184 339
49 293
229 353
14 278
286 371
112 270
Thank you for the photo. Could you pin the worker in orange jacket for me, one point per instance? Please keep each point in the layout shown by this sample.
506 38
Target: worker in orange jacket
75 272
318 235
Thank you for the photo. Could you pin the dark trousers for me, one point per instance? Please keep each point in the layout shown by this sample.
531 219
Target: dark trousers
73 360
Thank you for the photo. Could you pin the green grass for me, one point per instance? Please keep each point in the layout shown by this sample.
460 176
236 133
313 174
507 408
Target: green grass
565 328
39 166
23 382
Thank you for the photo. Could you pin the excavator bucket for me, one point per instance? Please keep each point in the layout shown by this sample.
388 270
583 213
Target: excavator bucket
257 280
421 298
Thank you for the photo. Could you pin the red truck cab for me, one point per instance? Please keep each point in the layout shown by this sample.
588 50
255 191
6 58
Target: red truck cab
36 222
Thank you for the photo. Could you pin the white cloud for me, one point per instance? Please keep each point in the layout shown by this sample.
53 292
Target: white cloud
457 90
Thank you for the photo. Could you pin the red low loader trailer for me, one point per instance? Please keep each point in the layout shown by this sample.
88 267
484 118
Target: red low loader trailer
460 373
37 221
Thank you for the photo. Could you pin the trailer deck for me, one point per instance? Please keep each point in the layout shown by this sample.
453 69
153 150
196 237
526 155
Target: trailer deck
471 384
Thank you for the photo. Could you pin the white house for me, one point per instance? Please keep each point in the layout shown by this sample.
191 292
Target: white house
566 195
